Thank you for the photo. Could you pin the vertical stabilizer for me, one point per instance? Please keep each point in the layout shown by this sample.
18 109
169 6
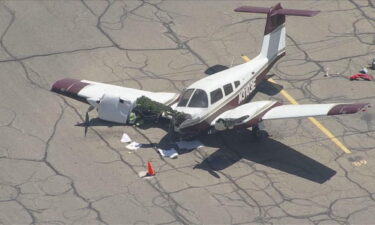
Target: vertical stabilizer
274 33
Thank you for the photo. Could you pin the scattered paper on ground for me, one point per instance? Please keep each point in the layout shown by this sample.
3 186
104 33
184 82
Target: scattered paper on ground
133 145
171 153
142 173
125 138
189 144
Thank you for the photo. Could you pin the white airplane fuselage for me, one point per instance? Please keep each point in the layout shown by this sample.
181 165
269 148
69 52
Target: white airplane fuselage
243 78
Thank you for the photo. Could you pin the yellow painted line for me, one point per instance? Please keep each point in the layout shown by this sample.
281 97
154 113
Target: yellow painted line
329 135
285 94
312 119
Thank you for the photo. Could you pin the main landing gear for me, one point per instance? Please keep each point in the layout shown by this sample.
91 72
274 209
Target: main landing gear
258 133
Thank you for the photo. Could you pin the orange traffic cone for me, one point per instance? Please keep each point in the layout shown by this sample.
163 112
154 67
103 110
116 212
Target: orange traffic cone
150 170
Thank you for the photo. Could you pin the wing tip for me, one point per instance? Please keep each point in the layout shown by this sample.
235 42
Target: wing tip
348 108
69 87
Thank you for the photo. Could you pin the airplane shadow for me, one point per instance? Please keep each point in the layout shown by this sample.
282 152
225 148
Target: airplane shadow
215 69
269 88
239 145
96 122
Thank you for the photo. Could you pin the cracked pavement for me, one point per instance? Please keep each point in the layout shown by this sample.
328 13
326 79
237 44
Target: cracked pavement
50 173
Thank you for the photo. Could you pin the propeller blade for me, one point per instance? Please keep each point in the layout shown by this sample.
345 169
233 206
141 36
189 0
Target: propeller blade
87 121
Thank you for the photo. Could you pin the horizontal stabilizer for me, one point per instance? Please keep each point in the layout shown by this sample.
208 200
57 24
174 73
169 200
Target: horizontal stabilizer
252 9
290 12
297 12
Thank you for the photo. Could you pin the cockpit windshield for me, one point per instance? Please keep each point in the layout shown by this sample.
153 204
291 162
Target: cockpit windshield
185 97
199 99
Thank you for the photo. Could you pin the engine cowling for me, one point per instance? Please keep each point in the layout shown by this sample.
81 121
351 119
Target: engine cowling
114 109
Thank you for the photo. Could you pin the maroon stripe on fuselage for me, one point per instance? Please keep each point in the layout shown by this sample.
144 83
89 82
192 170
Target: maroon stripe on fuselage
235 102
205 124
70 88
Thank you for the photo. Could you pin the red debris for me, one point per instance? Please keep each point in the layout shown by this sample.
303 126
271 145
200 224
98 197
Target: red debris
359 76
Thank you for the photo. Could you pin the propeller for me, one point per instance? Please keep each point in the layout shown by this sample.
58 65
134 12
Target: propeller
87 119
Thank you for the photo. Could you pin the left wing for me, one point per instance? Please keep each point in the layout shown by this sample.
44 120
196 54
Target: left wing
113 103
252 113
84 90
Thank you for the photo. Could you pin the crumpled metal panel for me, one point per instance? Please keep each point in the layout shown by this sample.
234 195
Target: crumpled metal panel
112 108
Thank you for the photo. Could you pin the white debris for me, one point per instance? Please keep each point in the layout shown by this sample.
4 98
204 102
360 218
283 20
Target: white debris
133 145
327 72
189 144
171 153
142 174
125 138
364 70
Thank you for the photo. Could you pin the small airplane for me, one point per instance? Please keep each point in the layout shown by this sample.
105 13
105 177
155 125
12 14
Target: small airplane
217 102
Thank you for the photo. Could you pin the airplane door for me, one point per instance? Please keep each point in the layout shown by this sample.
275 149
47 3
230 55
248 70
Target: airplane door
113 108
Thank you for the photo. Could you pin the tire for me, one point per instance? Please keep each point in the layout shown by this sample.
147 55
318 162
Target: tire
257 133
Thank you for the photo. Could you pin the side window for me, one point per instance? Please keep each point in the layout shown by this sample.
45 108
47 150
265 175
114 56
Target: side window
228 89
199 99
236 83
216 95
185 97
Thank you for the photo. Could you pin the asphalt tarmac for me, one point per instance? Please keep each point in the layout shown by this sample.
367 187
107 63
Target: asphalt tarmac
51 173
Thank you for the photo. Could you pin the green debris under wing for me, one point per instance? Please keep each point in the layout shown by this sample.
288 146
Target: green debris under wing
148 109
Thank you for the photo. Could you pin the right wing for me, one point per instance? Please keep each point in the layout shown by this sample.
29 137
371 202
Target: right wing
252 113
307 110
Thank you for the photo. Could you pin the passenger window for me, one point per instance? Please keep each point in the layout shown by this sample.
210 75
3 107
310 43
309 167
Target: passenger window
185 97
236 83
199 99
228 89
216 95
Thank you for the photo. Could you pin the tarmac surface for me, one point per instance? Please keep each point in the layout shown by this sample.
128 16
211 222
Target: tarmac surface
51 173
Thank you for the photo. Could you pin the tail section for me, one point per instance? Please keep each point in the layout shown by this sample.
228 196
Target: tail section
274 32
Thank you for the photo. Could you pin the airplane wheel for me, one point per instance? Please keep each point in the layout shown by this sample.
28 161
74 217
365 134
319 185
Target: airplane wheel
257 133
